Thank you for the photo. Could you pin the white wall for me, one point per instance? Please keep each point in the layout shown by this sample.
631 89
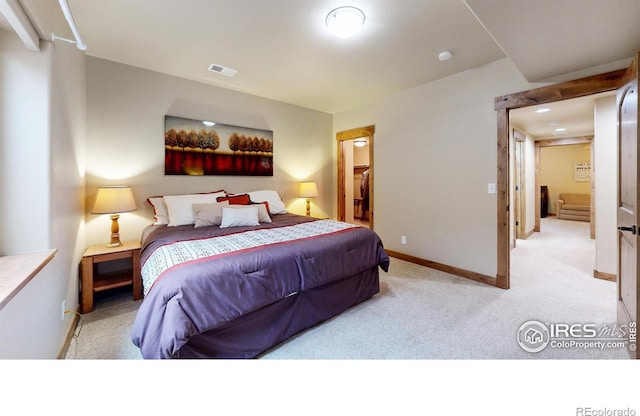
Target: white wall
41 188
435 152
125 142
606 171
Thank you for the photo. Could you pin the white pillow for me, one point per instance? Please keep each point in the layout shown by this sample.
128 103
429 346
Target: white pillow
159 210
240 216
263 213
209 214
276 206
180 207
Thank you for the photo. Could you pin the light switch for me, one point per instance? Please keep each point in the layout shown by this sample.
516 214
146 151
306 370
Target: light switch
491 188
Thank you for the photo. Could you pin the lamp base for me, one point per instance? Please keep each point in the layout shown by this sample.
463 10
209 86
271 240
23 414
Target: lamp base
308 207
115 232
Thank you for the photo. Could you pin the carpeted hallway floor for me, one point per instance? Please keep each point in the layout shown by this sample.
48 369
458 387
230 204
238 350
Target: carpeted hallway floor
422 313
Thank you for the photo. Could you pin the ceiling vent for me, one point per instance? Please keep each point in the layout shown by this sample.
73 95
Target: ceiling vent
222 70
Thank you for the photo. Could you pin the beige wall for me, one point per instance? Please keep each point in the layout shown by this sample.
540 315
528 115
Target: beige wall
557 170
435 152
41 185
605 163
125 141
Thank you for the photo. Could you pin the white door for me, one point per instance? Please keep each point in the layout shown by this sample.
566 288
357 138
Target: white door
628 193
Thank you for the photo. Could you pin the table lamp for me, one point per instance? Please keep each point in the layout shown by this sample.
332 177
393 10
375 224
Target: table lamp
308 190
114 200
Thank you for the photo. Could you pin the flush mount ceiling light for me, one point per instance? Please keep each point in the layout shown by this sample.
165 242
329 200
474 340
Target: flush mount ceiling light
543 110
360 142
344 21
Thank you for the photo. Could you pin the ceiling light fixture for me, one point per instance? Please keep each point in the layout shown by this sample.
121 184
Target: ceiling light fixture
543 110
360 142
445 55
345 21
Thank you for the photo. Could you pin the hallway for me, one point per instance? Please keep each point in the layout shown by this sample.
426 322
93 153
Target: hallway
561 259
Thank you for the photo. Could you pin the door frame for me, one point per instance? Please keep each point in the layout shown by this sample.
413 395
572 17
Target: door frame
341 137
606 82
519 187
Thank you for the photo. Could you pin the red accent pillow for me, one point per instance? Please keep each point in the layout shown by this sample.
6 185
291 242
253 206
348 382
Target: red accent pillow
242 199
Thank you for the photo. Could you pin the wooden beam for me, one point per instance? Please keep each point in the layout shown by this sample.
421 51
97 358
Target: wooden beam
355 133
566 90
564 141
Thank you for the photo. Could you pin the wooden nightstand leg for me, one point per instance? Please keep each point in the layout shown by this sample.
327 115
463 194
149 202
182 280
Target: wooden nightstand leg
137 277
86 302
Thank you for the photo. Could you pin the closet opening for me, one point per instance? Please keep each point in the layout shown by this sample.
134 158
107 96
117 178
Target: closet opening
355 176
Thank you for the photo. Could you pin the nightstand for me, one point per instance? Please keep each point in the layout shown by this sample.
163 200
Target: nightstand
94 281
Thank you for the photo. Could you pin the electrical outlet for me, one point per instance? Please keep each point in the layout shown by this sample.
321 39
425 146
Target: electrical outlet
403 239
64 308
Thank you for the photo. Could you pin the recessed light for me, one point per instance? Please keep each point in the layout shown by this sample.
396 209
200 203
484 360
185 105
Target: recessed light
344 21
445 55
543 110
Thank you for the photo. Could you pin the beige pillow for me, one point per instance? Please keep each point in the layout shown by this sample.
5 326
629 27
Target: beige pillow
180 207
263 212
209 214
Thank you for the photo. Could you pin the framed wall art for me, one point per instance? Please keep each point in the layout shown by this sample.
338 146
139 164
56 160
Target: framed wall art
201 147
583 172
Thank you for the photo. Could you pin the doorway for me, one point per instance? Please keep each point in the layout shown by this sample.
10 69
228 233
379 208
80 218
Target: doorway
503 105
355 176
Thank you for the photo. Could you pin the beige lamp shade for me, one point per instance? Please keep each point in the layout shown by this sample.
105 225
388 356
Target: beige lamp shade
113 200
308 190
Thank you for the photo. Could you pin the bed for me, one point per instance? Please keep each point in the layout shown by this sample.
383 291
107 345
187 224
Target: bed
236 291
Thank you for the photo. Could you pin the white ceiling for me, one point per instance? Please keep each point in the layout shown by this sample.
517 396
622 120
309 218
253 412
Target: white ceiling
576 116
282 51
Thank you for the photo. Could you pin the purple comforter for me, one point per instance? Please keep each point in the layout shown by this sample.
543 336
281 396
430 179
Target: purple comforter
200 295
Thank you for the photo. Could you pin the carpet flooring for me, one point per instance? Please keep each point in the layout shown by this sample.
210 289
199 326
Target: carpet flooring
421 313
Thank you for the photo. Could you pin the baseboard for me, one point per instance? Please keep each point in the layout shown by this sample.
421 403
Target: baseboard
605 276
478 277
530 233
70 334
